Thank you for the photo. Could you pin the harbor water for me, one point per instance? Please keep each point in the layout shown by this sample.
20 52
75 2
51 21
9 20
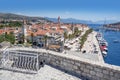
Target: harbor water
113 56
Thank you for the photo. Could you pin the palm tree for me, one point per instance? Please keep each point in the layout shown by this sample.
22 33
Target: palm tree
22 38
65 36
32 35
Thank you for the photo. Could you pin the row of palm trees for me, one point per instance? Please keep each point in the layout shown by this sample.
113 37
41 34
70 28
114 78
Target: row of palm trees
75 34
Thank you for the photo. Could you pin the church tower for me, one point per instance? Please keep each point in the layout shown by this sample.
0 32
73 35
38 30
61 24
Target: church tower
24 31
59 21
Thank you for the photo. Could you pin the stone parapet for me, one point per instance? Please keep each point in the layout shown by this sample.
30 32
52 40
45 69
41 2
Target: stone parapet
91 70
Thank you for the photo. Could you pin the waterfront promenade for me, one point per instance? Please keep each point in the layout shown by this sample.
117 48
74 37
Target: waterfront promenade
91 46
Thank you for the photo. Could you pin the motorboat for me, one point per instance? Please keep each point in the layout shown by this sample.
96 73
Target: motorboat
103 42
99 36
116 41
104 52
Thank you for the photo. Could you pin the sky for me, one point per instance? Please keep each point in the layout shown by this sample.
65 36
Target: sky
80 9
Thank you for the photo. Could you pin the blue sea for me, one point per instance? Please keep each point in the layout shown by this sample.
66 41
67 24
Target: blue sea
113 56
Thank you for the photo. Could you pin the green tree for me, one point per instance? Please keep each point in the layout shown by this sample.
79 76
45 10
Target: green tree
1 26
65 36
45 39
7 37
32 35
84 37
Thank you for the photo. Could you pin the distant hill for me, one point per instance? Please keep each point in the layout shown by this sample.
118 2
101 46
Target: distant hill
106 22
10 16
72 20
113 26
118 23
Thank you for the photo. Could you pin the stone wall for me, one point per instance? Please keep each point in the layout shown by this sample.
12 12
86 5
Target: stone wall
81 67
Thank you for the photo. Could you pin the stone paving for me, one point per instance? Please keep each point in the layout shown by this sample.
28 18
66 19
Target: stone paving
45 73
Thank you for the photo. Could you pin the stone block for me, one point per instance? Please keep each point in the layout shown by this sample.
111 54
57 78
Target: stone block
77 63
117 75
72 62
81 69
111 73
89 67
75 67
107 77
113 78
105 71
83 65
78 72
99 74
86 70
63 63
98 70
92 72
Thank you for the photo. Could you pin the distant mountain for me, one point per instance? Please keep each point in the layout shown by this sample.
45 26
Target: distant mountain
106 22
10 16
113 26
118 23
72 20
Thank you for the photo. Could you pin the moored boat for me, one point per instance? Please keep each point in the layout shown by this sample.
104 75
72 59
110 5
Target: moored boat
102 43
104 52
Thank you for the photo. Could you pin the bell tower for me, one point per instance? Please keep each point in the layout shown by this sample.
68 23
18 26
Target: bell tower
59 21
25 31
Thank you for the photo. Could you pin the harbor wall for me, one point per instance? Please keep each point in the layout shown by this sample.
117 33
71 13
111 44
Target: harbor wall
83 68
